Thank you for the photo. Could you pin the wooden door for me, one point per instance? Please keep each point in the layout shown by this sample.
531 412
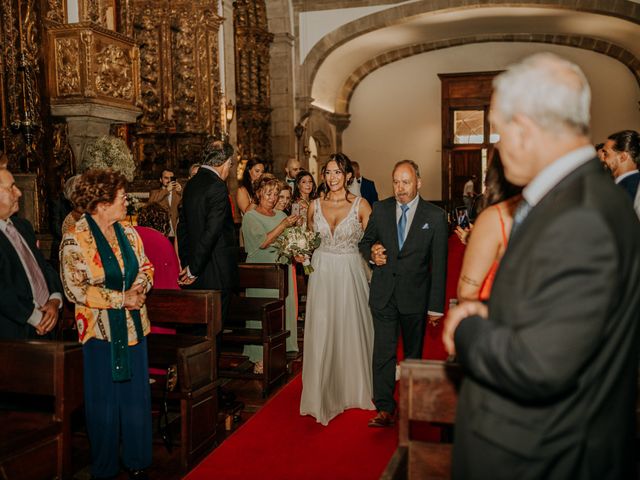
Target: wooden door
465 164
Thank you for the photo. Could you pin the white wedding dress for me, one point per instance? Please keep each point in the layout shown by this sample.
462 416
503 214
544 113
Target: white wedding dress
338 333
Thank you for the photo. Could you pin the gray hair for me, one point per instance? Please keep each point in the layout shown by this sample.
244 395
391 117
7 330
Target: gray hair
550 90
411 163
69 187
216 152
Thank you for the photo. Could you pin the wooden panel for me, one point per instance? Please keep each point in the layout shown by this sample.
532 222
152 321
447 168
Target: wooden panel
464 164
37 463
428 461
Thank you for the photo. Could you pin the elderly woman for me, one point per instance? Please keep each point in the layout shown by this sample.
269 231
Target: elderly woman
284 198
260 227
106 273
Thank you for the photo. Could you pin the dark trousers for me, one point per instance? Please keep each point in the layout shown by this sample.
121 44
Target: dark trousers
117 412
387 322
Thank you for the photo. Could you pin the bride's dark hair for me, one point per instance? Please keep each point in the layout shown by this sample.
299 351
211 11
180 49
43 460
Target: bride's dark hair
344 165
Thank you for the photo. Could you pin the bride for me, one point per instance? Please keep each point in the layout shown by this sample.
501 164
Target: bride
338 336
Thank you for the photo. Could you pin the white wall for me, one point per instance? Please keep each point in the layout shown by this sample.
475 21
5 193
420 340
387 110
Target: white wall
395 111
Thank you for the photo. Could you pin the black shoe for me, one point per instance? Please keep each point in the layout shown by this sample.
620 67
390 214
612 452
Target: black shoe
138 475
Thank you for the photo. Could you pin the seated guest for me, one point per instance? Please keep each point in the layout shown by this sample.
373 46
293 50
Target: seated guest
303 193
106 274
284 199
168 196
245 197
260 227
491 231
621 155
75 214
153 226
31 291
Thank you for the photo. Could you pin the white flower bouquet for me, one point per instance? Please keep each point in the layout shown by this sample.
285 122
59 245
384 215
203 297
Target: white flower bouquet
109 152
295 242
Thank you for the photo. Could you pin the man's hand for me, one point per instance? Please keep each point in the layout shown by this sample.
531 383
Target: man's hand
378 255
178 187
455 316
185 278
434 320
49 316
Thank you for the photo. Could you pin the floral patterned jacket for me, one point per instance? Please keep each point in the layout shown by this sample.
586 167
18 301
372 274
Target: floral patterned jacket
83 280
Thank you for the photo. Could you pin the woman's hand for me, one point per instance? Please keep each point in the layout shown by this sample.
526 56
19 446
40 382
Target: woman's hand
290 221
463 233
300 258
134 297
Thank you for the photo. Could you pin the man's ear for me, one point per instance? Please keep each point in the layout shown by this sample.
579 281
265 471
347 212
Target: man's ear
419 183
525 129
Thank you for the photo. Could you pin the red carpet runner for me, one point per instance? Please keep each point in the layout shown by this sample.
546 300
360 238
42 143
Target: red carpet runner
277 443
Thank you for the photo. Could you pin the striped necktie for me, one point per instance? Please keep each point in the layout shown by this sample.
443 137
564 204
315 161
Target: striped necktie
402 225
38 282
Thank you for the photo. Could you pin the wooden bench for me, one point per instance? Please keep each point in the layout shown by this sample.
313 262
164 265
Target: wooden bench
195 358
270 312
45 379
428 393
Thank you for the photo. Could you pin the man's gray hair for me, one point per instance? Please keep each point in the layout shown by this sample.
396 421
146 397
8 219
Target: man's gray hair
550 90
411 163
216 152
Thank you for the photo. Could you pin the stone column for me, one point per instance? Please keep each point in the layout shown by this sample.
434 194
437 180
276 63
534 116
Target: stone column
281 68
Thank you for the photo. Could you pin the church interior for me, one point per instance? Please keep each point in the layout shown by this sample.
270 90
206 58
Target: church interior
380 80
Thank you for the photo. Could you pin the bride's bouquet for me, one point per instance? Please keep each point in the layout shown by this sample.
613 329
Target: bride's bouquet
294 242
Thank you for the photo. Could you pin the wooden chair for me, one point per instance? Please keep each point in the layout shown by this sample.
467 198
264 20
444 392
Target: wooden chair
428 393
44 380
195 358
270 312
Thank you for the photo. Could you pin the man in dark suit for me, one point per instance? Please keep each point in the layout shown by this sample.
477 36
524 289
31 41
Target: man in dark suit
207 240
363 187
551 365
621 154
406 241
31 290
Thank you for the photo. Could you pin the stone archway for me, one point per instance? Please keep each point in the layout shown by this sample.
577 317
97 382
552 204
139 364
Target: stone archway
587 43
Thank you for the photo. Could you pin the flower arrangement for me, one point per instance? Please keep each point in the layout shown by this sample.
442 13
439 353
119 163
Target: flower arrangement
109 152
133 204
297 241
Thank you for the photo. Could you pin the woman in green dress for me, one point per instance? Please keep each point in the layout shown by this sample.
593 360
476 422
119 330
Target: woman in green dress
260 227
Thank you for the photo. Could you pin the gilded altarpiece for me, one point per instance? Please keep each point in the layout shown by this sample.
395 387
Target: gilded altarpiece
34 143
180 81
253 111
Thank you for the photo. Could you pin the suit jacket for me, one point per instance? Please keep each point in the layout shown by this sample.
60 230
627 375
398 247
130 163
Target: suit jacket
207 240
552 374
161 196
415 275
368 190
630 184
16 300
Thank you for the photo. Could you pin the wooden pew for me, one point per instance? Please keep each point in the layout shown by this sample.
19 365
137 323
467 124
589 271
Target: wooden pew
270 312
195 358
428 393
35 443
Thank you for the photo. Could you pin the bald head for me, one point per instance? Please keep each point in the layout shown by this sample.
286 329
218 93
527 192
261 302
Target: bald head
292 168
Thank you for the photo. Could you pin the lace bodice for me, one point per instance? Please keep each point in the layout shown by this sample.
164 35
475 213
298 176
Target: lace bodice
347 234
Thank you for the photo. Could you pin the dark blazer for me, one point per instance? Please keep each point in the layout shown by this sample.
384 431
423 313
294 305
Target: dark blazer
416 275
16 299
207 240
368 190
630 184
552 374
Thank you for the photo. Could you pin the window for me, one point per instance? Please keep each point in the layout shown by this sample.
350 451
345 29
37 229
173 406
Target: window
468 126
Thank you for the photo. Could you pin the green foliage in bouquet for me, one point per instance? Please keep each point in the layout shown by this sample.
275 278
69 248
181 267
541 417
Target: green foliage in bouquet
109 152
297 241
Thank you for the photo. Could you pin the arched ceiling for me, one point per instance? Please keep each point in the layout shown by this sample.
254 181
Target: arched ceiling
367 43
